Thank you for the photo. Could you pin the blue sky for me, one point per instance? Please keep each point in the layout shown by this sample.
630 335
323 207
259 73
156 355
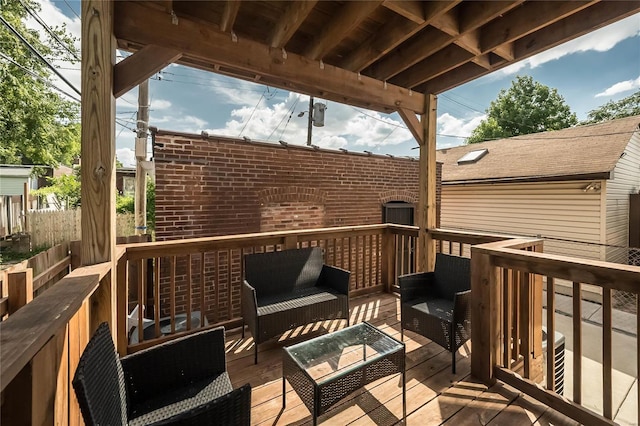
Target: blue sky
587 72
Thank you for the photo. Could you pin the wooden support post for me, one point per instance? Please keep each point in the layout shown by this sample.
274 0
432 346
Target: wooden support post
427 187
98 144
25 207
388 263
20 288
485 317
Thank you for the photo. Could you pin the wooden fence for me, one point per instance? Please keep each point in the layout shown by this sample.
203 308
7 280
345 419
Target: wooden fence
48 228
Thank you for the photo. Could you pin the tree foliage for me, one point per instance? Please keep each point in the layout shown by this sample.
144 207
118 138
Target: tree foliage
38 125
625 107
65 190
527 107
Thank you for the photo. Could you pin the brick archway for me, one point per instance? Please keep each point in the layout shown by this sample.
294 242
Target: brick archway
291 207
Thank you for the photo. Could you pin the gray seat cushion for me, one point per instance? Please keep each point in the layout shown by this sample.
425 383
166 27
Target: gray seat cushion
177 401
440 308
300 298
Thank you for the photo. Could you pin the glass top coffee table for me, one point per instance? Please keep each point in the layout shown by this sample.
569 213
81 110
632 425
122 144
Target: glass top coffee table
327 368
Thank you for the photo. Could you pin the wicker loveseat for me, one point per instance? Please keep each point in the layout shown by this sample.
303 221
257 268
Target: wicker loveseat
436 304
180 382
289 288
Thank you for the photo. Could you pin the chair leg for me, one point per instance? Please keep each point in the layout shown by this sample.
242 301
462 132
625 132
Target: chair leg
401 333
453 360
255 352
243 329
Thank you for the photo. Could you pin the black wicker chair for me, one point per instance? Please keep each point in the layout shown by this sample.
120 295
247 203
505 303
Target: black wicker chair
285 289
436 304
181 382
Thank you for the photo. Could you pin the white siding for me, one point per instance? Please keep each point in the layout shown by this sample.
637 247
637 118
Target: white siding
626 180
550 209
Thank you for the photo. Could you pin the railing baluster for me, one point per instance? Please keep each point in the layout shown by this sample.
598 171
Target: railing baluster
216 265
551 328
358 276
172 295
607 341
229 281
156 298
516 315
189 277
139 277
506 318
577 344
203 308
526 323
638 352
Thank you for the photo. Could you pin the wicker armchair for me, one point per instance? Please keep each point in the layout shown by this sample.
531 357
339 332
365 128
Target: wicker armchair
436 304
180 382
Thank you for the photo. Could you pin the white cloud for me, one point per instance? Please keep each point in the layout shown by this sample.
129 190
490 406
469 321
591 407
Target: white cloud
621 87
157 104
600 40
126 156
453 126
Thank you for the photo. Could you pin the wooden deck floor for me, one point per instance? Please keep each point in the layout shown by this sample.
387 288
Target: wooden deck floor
434 395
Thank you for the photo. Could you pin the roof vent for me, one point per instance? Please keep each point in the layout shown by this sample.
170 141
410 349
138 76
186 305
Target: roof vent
472 156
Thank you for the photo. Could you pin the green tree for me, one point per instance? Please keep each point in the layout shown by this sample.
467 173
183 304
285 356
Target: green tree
65 188
527 107
619 109
38 125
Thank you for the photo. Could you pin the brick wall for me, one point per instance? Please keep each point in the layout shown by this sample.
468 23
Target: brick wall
216 186
219 186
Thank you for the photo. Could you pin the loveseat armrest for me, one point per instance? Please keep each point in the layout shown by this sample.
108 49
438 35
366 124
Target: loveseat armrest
335 278
174 364
416 285
249 303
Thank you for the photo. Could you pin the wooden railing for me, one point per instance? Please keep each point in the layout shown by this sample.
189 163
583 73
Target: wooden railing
205 274
507 281
20 283
41 343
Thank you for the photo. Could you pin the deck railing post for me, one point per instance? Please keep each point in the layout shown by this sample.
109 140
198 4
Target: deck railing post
486 311
388 263
20 288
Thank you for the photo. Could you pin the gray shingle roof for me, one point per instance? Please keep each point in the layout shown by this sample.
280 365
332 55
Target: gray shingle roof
584 151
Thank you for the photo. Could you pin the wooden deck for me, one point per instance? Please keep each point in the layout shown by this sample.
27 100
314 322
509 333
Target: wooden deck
434 395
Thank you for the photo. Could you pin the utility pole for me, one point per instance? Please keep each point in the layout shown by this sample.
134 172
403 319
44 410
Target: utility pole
141 155
309 127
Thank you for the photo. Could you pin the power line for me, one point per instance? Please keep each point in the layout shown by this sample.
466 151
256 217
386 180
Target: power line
35 16
72 10
34 75
251 115
285 114
34 51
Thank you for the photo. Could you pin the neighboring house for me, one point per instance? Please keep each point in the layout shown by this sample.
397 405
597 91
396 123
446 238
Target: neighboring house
12 188
573 184
219 186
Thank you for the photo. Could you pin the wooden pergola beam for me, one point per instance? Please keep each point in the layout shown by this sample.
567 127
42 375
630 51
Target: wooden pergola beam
470 17
413 10
583 22
530 17
290 72
413 124
437 64
229 14
395 32
290 21
138 67
347 19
